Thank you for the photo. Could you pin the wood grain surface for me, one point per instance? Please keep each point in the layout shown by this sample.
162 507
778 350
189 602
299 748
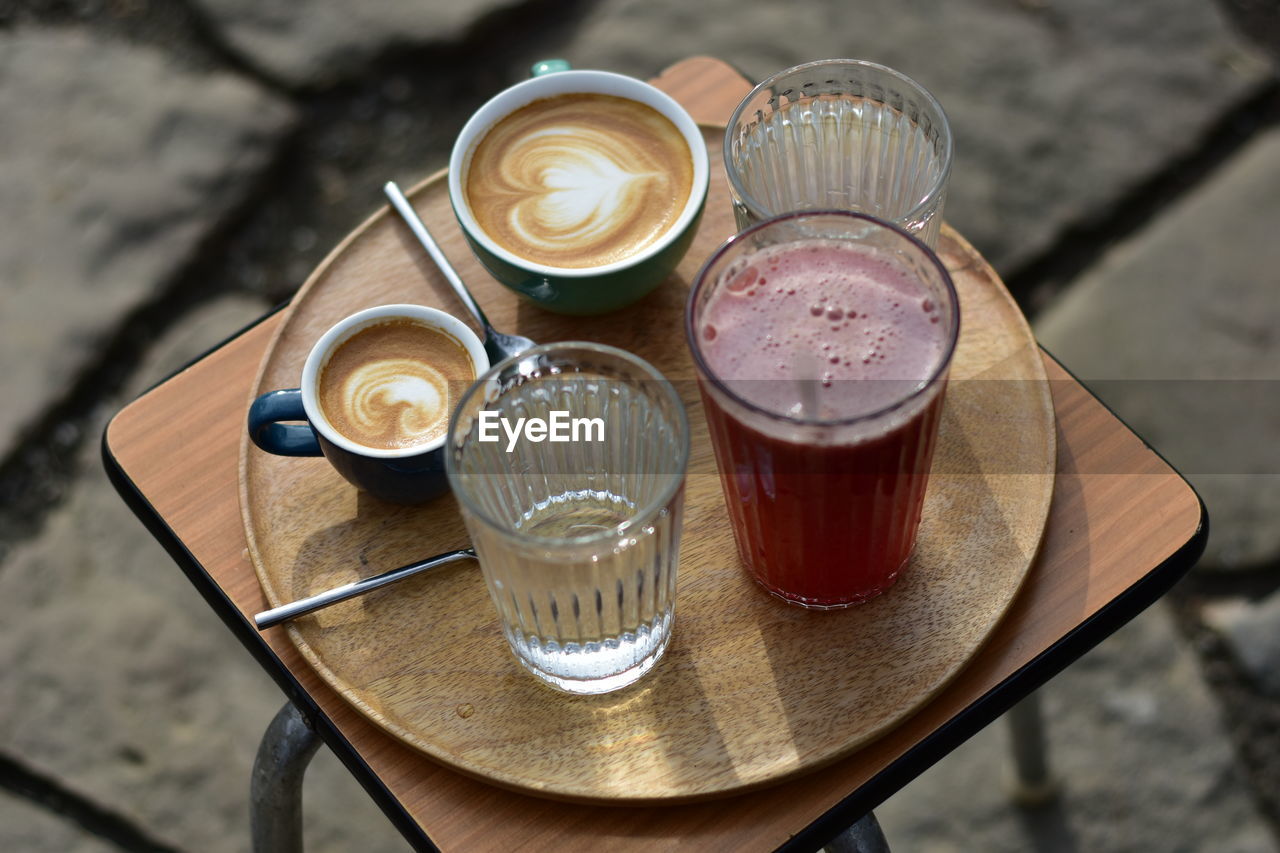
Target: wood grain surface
1118 514
751 691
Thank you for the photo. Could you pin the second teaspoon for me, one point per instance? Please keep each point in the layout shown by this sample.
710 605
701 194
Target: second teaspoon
497 345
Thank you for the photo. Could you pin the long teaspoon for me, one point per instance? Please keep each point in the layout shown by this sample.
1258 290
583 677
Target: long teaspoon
497 345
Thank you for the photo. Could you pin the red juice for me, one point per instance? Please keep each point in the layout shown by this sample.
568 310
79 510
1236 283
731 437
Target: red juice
838 352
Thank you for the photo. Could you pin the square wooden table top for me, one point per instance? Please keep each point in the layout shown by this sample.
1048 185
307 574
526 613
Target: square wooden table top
1123 527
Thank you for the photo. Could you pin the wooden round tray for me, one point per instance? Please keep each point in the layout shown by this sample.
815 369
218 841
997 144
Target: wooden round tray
751 691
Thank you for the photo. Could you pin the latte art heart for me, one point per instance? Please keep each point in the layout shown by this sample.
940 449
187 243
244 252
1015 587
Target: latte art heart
574 187
579 180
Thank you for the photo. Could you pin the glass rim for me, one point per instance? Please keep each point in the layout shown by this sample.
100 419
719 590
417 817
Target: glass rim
641 515
699 280
936 187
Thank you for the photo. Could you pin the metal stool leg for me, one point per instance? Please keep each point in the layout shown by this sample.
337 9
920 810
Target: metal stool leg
1033 783
275 789
864 836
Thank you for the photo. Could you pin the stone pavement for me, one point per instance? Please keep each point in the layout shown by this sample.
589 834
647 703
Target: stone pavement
170 170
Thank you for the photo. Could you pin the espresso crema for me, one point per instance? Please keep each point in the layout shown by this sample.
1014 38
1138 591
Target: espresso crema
579 180
388 385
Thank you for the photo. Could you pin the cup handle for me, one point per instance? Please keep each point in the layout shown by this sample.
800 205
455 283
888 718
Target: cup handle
549 66
268 433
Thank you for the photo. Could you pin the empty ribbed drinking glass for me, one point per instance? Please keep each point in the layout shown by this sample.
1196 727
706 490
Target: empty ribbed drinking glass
840 134
568 462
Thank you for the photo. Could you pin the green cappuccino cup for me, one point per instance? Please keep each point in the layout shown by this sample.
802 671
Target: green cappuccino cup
580 190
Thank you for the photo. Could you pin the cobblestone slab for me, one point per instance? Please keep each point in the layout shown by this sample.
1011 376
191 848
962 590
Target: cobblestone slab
1058 108
122 684
1176 328
1252 632
1138 747
28 828
314 42
115 165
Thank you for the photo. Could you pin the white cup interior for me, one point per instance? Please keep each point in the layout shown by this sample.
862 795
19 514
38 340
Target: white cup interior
561 83
344 329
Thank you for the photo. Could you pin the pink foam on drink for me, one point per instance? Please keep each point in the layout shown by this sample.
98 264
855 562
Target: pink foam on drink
808 316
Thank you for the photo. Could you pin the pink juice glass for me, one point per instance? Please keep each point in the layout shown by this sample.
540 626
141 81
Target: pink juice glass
823 342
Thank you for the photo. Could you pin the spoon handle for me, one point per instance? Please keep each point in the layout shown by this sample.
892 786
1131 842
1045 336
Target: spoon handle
419 229
285 612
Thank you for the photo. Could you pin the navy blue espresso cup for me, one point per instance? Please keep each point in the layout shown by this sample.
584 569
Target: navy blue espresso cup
291 421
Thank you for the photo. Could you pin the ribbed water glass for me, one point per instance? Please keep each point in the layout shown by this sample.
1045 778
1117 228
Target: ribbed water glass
840 134
577 527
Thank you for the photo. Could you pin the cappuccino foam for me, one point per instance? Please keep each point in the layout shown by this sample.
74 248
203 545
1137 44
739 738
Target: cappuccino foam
388 385
579 180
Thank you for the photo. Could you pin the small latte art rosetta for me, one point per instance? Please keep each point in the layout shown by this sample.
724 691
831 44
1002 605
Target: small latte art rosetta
403 401
388 386
579 180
